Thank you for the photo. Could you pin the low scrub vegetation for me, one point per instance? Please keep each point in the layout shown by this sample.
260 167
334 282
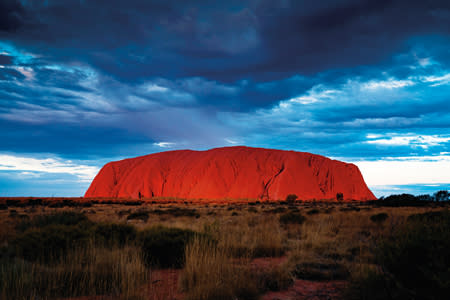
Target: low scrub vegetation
413 261
121 252
164 247
84 271
379 218
292 218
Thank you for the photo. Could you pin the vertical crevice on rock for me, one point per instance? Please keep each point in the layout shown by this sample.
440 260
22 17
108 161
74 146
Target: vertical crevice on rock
266 186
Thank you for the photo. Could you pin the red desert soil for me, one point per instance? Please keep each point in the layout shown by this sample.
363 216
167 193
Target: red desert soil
164 285
230 173
311 290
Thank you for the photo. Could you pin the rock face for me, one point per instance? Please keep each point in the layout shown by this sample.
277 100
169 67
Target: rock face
230 173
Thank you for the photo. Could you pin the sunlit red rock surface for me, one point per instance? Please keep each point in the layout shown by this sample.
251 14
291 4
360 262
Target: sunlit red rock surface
230 173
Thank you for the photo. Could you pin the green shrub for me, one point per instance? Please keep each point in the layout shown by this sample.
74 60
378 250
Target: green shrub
292 218
379 218
163 246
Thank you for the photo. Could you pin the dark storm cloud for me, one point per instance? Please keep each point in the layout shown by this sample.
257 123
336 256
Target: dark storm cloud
102 80
9 74
68 140
11 15
5 59
263 40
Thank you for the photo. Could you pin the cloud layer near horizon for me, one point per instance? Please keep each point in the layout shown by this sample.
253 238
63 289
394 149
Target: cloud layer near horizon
92 81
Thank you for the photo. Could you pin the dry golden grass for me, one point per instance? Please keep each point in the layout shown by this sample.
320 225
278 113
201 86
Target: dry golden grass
211 273
334 243
83 272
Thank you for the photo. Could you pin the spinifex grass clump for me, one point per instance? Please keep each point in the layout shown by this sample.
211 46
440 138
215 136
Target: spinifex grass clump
47 238
139 215
379 218
65 254
164 247
413 261
292 217
210 273
244 239
87 271
65 218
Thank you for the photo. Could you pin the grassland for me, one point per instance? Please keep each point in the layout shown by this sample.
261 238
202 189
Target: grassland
256 250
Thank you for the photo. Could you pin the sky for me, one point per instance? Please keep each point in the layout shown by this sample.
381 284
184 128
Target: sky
86 82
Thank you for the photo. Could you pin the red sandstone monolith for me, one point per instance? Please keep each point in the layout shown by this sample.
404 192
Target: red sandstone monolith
230 173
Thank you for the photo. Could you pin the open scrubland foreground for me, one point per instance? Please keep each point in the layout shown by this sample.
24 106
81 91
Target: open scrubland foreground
239 251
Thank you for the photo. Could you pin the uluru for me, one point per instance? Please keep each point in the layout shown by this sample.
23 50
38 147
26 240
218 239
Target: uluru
230 173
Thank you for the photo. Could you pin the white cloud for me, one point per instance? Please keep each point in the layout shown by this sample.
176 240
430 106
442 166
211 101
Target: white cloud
231 141
391 83
29 165
406 170
151 87
164 144
437 80
316 94
422 141
26 71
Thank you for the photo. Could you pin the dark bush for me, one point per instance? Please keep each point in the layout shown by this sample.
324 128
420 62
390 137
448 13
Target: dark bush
418 255
133 203
66 218
252 209
62 218
49 243
443 195
319 271
292 218
429 217
379 218
404 200
33 201
276 210
313 211
414 261
350 208
177 212
111 234
164 247
139 215
291 198
14 203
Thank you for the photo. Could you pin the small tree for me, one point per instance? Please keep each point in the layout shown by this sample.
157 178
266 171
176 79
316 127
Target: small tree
291 198
442 196
340 197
